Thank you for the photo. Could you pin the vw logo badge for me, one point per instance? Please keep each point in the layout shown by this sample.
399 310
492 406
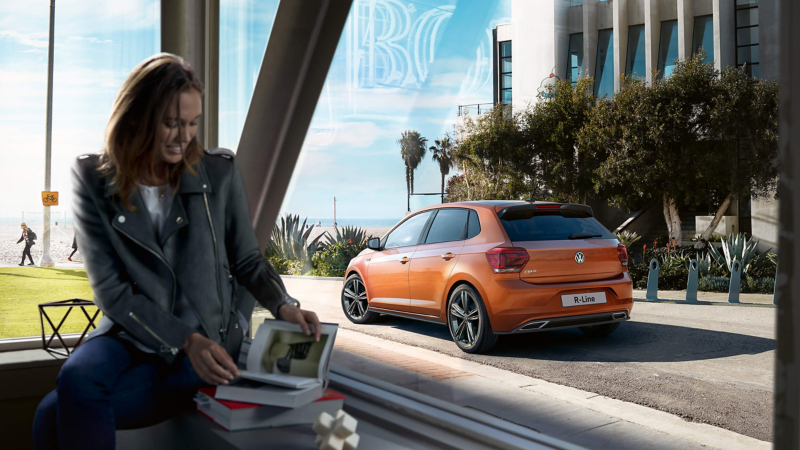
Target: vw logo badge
579 257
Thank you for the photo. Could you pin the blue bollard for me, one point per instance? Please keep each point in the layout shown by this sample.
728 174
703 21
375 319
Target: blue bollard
691 285
736 282
652 280
775 288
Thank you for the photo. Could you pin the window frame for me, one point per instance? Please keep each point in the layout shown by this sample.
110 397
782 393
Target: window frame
749 65
501 62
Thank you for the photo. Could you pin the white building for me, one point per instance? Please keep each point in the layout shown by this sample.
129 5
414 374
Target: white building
608 38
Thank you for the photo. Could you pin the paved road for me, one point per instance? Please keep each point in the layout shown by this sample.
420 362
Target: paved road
709 364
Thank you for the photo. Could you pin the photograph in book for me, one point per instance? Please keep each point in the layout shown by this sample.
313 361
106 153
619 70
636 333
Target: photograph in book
281 354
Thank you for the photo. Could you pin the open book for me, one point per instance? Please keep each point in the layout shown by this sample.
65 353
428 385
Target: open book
282 355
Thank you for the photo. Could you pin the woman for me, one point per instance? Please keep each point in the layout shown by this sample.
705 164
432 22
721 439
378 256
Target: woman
166 238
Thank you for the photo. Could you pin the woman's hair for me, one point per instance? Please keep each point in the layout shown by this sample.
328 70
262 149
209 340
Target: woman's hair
142 103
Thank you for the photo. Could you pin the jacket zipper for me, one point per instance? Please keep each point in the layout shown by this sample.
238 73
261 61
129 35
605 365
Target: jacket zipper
224 327
166 348
174 278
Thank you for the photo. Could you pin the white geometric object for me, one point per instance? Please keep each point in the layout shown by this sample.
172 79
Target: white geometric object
336 433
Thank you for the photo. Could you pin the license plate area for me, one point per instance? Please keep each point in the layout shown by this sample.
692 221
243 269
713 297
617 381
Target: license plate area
587 298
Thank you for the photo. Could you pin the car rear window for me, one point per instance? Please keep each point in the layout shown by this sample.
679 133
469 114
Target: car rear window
552 226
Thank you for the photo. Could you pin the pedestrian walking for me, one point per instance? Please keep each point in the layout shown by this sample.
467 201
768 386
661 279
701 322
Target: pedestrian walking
74 247
169 248
29 237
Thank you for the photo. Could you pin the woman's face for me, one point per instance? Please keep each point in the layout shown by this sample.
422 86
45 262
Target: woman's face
172 139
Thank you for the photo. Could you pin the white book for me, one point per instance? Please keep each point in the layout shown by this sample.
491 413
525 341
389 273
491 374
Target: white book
248 391
282 355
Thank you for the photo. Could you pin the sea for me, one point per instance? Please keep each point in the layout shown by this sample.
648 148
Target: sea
37 219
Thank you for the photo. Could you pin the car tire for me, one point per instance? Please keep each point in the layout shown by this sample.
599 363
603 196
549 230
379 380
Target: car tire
354 301
475 334
600 330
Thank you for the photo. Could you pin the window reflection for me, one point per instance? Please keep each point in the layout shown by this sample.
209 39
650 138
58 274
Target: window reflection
668 48
635 65
704 36
575 57
747 36
505 75
604 72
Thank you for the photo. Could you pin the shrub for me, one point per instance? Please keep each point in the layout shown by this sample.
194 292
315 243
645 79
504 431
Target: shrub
713 284
333 261
763 285
286 266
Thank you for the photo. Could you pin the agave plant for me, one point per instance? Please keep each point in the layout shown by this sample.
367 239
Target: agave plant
627 238
704 264
289 240
737 248
359 237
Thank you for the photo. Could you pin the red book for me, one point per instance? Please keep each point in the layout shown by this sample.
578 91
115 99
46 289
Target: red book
234 416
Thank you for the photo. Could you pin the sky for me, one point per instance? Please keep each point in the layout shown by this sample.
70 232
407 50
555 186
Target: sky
399 65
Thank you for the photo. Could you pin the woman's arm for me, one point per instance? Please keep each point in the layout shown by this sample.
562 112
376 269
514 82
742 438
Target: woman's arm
113 290
248 264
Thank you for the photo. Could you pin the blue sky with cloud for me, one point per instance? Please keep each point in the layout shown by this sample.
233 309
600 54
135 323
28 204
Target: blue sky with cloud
399 65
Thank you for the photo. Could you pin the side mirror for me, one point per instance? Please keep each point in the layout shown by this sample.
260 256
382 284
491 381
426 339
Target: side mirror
374 244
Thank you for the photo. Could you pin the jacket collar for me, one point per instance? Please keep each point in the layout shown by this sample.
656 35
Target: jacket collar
189 184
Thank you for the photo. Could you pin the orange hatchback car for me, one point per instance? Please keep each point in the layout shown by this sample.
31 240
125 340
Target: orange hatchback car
494 267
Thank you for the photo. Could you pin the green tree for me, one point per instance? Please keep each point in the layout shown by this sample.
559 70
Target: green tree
442 153
487 150
744 121
412 150
552 126
655 142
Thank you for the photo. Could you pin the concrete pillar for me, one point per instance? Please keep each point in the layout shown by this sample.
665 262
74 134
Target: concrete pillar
724 34
190 29
685 28
589 36
620 40
652 33
787 354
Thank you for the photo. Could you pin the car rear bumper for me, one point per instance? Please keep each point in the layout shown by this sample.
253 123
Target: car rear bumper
513 304
556 323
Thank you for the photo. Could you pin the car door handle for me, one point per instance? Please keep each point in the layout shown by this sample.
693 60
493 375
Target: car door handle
448 255
405 259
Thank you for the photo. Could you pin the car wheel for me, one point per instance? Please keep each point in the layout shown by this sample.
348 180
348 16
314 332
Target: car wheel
468 321
354 301
600 330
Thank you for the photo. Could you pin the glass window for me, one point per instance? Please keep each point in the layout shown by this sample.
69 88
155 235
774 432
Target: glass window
575 57
448 225
474 225
668 48
604 69
635 62
407 233
551 226
704 36
747 36
505 72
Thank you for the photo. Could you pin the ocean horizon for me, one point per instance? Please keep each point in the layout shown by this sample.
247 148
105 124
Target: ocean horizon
323 222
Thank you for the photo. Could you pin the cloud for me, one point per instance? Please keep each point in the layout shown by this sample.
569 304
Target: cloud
92 40
345 134
38 40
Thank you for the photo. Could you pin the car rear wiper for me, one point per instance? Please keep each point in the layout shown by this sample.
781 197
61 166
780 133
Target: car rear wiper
584 235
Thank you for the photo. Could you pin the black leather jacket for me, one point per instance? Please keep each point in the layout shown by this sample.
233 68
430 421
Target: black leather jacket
208 246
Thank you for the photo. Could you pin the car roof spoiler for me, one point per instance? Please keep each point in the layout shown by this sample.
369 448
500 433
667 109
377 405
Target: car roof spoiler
547 207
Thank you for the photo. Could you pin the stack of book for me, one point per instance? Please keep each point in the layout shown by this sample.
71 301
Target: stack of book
284 379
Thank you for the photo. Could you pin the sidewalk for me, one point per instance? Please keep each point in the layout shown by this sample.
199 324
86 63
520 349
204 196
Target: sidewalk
59 265
579 417
706 297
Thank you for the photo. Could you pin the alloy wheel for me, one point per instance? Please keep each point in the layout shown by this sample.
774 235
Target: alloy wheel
355 299
465 319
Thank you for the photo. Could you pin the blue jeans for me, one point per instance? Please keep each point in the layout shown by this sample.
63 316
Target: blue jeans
108 384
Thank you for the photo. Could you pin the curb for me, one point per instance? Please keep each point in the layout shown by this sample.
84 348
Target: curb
700 302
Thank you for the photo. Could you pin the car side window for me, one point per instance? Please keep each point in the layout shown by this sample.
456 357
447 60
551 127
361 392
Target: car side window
474 224
407 233
449 225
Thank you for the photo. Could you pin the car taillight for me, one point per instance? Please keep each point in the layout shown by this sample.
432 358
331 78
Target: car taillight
507 259
622 254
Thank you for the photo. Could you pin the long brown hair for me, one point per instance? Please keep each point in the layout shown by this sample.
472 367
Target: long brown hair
142 102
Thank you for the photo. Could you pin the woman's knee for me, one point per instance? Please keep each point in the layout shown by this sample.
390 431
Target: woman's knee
92 368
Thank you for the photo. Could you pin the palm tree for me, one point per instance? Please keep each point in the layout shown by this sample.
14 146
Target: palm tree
412 150
442 153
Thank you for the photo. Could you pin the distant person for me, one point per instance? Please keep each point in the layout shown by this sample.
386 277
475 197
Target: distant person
166 240
29 237
74 247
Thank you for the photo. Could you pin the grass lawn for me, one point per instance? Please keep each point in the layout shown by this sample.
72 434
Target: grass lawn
22 289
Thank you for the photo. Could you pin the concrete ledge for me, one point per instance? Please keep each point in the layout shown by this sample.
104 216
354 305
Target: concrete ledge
304 277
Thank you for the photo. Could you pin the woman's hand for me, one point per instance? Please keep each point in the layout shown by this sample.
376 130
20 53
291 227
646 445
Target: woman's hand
211 362
302 317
